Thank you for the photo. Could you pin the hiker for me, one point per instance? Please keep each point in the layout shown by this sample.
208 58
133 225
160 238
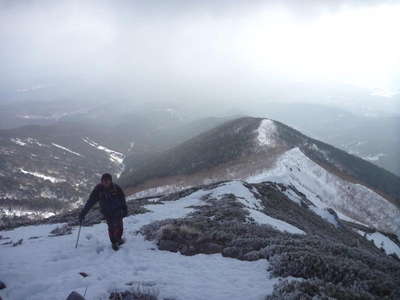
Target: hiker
112 206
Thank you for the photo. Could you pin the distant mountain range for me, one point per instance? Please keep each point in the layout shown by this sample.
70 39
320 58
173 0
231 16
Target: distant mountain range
51 167
255 197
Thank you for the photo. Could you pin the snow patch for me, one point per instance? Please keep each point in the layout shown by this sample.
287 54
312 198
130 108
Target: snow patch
115 156
325 214
266 133
18 142
25 213
374 157
65 149
42 176
382 241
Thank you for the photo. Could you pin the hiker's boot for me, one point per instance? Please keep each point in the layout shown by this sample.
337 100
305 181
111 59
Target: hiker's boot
121 241
115 246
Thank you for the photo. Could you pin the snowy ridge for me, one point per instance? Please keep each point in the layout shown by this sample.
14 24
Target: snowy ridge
253 206
327 190
266 133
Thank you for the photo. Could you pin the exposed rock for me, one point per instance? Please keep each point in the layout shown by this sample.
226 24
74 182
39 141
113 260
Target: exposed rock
75 296
209 248
137 294
18 243
232 252
83 274
61 230
252 255
168 245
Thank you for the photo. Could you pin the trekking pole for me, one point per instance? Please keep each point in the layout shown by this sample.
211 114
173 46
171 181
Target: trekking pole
79 233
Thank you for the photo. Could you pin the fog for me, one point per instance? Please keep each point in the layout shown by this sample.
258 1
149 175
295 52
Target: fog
332 52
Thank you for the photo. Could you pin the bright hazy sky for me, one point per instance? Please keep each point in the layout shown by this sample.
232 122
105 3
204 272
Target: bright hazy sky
174 44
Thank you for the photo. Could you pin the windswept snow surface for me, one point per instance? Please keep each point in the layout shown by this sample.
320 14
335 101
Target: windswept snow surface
66 149
328 190
42 176
266 132
48 267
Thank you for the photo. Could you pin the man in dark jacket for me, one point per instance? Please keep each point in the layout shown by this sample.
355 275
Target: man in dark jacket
112 205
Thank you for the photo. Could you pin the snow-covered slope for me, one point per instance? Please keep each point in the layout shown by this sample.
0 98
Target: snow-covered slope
328 190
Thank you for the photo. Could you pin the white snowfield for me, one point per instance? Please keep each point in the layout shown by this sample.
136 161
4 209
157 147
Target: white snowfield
48 267
327 190
266 133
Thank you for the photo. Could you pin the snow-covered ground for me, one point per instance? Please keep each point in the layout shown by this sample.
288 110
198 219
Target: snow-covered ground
48 267
328 190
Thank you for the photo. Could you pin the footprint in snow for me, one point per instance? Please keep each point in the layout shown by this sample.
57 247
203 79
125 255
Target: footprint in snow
99 249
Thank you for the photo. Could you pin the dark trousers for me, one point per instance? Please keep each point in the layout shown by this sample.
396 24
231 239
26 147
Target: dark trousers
115 229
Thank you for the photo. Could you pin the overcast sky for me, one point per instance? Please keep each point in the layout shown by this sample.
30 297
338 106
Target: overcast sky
208 48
